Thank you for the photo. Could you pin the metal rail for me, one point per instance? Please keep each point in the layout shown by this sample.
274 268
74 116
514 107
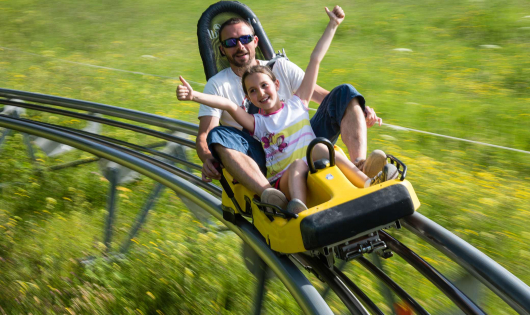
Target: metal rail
393 285
512 290
449 289
151 119
357 291
508 287
109 122
163 165
301 289
118 142
336 284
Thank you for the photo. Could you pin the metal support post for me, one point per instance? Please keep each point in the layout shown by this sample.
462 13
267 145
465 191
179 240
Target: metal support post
5 133
29 147
111 205
179 152
142 215
260 286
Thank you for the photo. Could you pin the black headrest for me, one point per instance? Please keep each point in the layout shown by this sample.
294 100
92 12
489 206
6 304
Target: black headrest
208 35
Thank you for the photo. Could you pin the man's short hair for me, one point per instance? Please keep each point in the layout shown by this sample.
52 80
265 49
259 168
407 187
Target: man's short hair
233 21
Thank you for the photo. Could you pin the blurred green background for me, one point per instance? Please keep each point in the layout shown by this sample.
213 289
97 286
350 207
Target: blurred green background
456 68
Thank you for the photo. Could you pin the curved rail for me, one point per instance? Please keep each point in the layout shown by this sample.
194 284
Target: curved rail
393 285
121 143
119 112
105 121
512 290
304 293
357 291
449 289
337 285
507 286
165 166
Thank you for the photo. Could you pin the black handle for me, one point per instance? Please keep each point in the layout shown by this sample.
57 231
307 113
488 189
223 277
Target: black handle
393 160
313 143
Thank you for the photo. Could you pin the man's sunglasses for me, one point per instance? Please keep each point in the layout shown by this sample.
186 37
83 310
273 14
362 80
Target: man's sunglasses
232 42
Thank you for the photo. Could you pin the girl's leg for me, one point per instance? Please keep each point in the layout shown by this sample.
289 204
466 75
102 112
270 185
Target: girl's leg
352 173
293 182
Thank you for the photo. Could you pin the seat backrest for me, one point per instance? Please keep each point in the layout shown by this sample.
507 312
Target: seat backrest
208 35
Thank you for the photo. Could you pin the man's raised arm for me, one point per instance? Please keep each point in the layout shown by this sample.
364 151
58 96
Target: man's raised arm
318 94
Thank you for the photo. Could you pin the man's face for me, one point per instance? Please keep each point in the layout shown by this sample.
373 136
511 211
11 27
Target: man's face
241 55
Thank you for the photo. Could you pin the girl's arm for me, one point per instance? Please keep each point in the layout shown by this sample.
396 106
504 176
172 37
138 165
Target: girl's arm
186 93
305 91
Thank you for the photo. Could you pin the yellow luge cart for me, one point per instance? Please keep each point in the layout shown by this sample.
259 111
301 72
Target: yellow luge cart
342 220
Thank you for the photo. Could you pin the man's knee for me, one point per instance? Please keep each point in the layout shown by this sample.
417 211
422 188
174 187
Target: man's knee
346 88
224 153
347 94
223 140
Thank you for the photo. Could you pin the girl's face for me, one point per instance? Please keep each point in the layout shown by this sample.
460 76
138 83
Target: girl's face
263 92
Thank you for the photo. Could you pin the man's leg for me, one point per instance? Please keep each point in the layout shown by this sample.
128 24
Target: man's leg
342 112
353 131
354 135
244 159
241 155
242 168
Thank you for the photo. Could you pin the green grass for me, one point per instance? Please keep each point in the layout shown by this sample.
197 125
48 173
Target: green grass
449 84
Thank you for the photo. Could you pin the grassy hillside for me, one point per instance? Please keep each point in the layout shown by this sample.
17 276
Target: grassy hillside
457 68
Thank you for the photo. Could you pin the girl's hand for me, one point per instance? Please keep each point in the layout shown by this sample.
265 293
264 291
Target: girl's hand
336 16
184 91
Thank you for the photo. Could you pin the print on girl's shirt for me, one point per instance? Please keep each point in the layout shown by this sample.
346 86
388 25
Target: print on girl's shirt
271 144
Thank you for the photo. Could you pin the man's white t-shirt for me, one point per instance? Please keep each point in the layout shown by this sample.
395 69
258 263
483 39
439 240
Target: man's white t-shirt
227 84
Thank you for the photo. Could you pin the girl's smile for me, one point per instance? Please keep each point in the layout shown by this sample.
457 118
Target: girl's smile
263 92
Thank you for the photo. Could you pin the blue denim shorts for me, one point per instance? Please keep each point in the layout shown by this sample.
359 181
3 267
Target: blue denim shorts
325 123
235 139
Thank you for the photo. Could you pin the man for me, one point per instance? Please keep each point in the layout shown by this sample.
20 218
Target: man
340 112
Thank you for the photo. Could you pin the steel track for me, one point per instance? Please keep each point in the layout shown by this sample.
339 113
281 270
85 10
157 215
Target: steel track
512 290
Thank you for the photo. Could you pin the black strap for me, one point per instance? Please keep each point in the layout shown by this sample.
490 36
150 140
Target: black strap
277 56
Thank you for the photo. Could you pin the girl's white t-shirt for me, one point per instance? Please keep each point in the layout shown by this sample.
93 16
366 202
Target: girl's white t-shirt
284 135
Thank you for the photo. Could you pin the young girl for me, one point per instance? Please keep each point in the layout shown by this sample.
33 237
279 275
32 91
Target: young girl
284 128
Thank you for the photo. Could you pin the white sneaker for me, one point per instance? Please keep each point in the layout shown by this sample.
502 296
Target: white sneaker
296 206
389 172
373 164
274 197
